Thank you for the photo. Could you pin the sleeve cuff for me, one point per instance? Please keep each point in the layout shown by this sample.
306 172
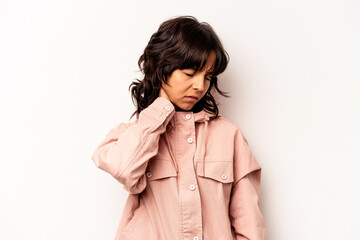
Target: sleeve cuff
158 113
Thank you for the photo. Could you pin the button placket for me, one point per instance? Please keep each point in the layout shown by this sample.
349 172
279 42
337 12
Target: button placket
191 199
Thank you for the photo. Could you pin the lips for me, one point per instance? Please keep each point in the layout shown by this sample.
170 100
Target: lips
191 99
193 96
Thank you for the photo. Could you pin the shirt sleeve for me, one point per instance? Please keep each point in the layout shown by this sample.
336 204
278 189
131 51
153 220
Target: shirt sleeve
246 218
127 148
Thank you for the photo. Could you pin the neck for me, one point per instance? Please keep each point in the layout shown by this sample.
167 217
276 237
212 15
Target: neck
180 110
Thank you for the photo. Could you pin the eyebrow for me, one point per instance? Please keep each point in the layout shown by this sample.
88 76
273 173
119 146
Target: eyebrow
208 73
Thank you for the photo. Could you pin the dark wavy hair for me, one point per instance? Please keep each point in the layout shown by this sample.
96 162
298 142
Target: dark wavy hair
180 43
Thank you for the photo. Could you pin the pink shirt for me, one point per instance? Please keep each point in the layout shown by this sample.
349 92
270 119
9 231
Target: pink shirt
187 177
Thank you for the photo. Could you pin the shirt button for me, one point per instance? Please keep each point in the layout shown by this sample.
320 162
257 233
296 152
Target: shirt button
223 176
192 187
188 116
168 108
190 140
148 174
195 238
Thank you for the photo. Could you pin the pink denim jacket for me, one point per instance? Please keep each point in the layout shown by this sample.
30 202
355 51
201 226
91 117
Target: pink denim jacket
187 177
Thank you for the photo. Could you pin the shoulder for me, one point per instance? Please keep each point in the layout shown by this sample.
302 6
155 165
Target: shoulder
228 127
225 124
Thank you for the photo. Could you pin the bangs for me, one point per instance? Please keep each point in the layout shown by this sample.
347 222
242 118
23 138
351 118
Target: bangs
195 51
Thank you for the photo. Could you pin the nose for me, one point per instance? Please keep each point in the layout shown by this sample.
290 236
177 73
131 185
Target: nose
199 83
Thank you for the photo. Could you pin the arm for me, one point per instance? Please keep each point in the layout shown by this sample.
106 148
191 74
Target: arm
127 148
245 214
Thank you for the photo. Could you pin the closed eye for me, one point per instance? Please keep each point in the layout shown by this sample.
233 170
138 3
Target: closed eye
190 75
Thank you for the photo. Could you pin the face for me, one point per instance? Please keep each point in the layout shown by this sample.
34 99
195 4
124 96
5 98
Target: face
184 83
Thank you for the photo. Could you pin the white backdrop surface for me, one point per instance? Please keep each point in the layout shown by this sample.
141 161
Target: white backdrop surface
294 78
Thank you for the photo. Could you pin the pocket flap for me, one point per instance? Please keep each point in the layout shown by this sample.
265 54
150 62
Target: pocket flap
221 171
158 169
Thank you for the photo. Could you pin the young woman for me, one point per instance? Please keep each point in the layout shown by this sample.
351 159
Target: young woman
189 172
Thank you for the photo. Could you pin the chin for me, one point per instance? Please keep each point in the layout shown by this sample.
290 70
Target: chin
186 108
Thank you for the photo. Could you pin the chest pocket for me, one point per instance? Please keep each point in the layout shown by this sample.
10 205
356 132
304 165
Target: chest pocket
220 171
159 169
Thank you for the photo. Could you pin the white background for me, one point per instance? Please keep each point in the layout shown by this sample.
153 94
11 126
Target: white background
65 69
